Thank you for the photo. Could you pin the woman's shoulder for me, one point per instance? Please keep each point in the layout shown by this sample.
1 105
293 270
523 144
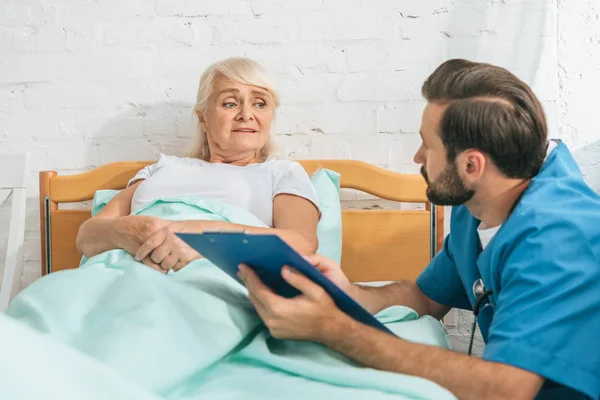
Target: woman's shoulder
283 165
165 159
287 170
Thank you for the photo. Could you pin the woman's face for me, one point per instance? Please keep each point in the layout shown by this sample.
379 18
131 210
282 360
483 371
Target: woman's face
237 119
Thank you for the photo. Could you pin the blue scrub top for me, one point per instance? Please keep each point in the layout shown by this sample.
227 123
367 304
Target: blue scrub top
544 268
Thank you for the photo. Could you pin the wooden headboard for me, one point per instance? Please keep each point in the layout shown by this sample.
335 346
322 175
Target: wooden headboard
378 245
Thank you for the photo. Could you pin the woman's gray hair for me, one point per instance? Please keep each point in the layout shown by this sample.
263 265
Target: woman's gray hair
239 69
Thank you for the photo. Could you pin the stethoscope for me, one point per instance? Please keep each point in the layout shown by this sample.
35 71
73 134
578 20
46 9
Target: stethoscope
481 294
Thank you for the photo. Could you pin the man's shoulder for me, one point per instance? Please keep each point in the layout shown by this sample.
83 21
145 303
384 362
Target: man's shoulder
562 239
566 209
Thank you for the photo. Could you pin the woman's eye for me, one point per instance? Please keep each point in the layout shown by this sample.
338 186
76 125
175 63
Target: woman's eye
229 105
261 105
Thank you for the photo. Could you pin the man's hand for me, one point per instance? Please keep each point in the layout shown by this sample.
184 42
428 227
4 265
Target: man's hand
331 270
304 317
370 300
163 250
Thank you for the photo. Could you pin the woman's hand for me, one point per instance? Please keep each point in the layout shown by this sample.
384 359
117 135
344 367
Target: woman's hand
131 231
163 250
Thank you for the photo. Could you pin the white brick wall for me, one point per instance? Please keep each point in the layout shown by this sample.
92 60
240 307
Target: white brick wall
84 83
579 82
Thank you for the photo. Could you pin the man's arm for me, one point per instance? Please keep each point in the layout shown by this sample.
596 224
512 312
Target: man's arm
314 316
466 377
439 278
403 293
375 299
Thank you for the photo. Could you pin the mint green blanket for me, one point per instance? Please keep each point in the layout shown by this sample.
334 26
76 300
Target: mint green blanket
115 329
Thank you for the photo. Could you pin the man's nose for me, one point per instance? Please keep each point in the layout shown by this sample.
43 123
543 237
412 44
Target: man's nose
418 157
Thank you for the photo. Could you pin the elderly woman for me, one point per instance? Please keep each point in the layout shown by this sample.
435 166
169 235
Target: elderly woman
231 162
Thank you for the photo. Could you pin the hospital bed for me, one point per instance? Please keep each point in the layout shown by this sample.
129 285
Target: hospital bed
378 245
114 328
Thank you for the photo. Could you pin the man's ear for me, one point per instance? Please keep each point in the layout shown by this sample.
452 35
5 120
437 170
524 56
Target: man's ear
471 165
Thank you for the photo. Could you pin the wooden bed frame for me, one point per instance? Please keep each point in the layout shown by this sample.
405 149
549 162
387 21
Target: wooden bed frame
378 245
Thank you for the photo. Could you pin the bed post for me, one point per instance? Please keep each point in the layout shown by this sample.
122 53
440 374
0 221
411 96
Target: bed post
47 206
436 228
440 227
432 232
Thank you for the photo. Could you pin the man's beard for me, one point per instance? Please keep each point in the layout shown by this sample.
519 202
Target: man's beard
448 189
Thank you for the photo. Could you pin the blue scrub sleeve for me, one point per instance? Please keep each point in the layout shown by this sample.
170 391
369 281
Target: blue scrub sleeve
440 280
547 313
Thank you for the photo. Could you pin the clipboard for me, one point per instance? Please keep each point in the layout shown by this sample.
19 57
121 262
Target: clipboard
266 255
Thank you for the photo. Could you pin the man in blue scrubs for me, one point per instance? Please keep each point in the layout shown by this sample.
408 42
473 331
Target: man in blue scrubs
525 230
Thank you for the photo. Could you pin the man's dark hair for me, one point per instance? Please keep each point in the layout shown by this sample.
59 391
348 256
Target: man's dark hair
491 110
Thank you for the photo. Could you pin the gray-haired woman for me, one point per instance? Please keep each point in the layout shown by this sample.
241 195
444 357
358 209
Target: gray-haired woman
231 162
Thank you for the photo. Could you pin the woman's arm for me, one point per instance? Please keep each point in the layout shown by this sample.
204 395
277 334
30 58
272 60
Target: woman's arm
113 227
294 218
